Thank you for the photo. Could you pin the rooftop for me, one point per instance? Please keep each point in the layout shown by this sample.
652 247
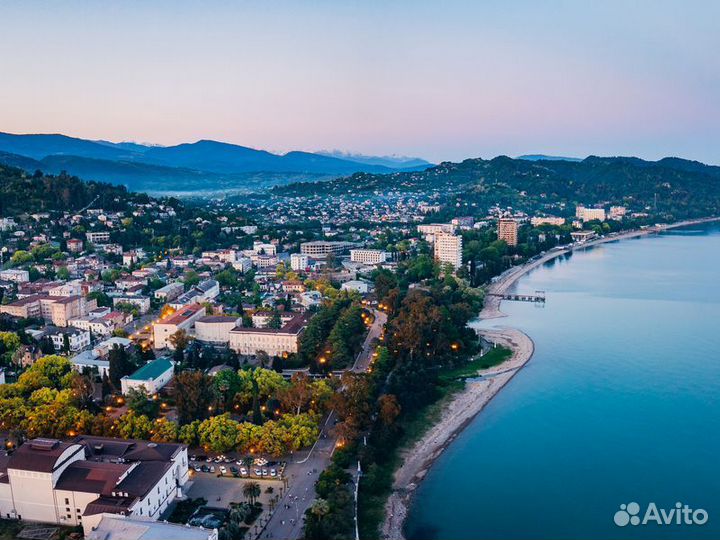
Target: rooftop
182 315
152 370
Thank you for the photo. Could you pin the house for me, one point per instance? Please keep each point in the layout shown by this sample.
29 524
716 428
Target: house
275 342
205 291
142 303
310 299
75 483
152 376
215 329
169 292
74 245
182 319
76 339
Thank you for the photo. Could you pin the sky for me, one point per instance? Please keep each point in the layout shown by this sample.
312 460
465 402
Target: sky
444 80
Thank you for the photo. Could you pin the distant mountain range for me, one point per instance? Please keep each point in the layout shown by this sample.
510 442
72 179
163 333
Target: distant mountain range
201 166
543 157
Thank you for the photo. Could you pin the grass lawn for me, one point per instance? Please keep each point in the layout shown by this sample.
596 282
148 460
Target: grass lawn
493 357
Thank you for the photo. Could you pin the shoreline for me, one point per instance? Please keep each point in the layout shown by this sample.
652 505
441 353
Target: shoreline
468 403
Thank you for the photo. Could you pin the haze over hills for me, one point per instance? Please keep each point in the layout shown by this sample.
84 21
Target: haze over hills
202 165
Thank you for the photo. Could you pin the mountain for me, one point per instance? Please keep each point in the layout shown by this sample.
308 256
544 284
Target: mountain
543 157
392 162
671 187
204 165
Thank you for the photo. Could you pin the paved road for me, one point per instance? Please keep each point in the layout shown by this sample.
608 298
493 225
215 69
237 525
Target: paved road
287 521
362 363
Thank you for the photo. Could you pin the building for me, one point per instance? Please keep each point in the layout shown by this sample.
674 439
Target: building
77 339
242 264
362 287
24 308
508 231
299 262
98 237
132 257
547 220
275 342
617 212
448 249
152 376
590 214
261 248
118 527
75 483
464 222
18 276
74 245
429 230
320 249
368 256
169 292
215 329
582 236
142 303
205 291
183 319
310 299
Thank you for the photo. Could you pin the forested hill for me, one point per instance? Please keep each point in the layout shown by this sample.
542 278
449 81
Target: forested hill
678 187
22 192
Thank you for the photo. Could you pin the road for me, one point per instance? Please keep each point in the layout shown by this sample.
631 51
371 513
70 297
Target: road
362 362
286 522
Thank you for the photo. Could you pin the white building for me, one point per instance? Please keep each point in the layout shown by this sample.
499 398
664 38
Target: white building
183 319
275 342
77 339
215 329
118 527
98 237
363 287
242 264
448 249
74 483
320 249
169 291
152 376
142 303
589 214
617 212
299 262
18 276
261 248
547 220
368 256
429 230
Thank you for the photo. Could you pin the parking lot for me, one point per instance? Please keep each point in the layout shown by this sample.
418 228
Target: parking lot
221 491
260 470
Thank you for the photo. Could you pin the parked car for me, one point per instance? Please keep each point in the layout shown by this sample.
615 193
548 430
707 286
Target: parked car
257 472
273 473
243 471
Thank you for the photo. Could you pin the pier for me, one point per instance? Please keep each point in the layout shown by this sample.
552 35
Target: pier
537 297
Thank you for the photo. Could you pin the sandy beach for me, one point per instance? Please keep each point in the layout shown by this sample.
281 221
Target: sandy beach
478 392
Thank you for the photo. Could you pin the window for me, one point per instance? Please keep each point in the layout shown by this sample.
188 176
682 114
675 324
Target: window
67 501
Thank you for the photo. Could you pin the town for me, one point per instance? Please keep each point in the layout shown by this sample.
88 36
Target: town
207 367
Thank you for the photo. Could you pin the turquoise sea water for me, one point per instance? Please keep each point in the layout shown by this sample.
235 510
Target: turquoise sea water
619 404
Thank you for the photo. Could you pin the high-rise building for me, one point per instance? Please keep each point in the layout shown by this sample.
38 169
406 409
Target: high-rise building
508 231
448 249
299 262
368 256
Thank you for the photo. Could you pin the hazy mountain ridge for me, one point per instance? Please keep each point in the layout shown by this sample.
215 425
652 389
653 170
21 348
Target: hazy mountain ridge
203 164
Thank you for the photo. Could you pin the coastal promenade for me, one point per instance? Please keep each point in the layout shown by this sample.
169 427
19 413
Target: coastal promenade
478 392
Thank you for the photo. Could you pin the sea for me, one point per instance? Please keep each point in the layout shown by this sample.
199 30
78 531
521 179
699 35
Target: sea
612 430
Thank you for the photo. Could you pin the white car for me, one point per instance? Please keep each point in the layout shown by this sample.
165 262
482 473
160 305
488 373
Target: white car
257 472
223 470
273 473
243 471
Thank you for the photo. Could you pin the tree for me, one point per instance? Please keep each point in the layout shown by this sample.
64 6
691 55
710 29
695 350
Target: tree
298 394
275 320
388 409
180 340
251 491
320 508
218 433
20 257
193 395
120 364
141 402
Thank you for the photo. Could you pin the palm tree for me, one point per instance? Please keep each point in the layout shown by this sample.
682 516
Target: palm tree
251 491
320 508
248 461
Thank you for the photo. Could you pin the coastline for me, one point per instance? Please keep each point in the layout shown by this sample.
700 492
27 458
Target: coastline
467 404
